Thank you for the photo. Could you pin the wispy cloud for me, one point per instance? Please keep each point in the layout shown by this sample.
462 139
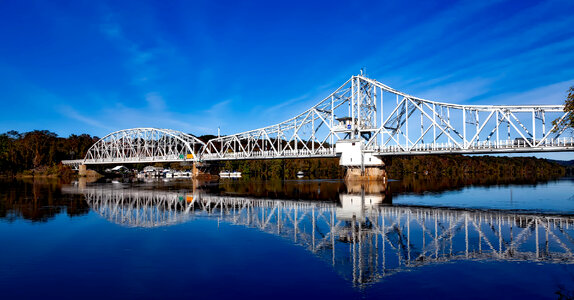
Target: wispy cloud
141 61
155 101
549 94
451 58
69 112
290 102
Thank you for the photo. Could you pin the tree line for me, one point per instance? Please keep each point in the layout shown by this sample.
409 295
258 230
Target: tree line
398 166
40 151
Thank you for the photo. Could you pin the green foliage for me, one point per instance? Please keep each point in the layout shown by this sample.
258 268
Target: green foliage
399 166
455 165
40 151
287 168
568 107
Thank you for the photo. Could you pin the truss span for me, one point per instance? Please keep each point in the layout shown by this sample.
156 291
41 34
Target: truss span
144 145
385 121
376 119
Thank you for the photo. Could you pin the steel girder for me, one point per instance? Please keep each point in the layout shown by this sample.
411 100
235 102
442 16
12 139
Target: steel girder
385 120
416 125
309 134
391 122
144 145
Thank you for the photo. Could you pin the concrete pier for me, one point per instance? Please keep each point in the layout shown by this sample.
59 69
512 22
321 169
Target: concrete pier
82 170
367 173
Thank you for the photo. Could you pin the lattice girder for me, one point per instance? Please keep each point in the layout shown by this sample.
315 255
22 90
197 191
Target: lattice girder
144 145
390 122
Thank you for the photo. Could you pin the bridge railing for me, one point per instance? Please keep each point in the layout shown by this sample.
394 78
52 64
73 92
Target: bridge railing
565 144
300 153
148 159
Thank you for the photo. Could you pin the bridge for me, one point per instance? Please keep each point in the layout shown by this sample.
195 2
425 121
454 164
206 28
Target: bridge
363 240
361 121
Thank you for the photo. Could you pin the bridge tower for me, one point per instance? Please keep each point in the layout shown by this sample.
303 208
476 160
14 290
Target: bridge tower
358 128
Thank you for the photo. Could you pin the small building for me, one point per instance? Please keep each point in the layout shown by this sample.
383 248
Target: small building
151 169
345 123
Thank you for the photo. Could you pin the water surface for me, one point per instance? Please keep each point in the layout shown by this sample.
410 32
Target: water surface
285 239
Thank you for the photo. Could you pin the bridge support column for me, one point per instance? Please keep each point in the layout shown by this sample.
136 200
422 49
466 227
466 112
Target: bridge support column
200 171
82 170
360 165
367 173
194 170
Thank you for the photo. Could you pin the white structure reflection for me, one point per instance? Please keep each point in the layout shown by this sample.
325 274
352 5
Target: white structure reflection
363 239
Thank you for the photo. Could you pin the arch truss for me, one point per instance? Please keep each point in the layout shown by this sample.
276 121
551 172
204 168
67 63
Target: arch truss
387 122
144 145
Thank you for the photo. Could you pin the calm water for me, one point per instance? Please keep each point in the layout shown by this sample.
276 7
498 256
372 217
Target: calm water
292 239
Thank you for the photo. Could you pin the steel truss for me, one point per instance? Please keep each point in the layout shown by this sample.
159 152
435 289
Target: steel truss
389 122
385 121
309 134
144 145
363 243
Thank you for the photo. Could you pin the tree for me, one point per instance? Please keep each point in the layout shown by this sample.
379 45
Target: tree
569 108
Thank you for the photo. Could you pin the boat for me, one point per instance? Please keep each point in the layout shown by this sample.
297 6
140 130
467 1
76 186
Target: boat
229 174
167 173
182 174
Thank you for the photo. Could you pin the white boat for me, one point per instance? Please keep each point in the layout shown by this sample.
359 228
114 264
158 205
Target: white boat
182 174
167 173
229 174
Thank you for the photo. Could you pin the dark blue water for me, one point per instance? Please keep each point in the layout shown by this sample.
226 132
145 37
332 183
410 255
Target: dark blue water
176 240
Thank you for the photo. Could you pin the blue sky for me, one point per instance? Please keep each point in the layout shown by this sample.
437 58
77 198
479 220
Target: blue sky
99 66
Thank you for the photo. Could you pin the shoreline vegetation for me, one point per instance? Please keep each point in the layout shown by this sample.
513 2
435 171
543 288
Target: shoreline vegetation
39 153
397 167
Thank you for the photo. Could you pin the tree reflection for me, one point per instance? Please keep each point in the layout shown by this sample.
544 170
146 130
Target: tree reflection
38 200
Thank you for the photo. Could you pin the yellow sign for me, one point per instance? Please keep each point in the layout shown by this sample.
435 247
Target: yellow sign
190 156
188 198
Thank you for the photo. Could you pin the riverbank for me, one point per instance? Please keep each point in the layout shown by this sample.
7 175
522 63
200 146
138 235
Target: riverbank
396 166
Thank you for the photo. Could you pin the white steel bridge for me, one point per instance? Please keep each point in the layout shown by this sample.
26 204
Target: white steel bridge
361 121
363 240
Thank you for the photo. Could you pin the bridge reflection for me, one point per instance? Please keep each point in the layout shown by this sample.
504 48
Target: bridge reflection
361 237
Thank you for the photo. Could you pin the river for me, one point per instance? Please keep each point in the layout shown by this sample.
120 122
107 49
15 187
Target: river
409 238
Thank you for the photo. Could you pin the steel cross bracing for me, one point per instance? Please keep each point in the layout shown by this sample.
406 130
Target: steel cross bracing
383 120
144 145
312 133
363 243
389 122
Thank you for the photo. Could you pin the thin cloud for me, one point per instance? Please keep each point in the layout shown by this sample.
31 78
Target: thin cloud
290 102
155 101
69 112
140 60
549 94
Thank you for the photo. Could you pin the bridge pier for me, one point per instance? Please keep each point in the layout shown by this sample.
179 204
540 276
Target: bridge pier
82 170
365 173
360 165
201 171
